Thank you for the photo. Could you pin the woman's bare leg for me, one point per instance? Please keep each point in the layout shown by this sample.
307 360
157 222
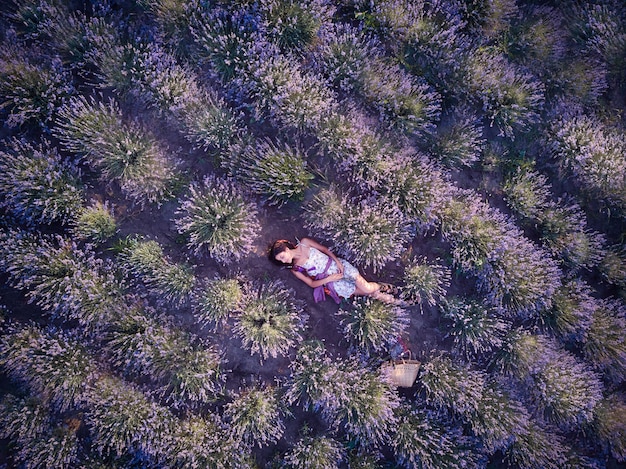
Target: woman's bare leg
365 288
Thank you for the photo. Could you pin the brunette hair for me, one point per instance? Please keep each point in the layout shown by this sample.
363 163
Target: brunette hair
276 248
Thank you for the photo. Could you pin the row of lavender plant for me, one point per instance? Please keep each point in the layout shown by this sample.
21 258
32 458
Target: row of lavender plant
67 389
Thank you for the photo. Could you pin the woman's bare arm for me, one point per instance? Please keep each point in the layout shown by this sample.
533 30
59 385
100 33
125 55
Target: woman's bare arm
316 283
311 243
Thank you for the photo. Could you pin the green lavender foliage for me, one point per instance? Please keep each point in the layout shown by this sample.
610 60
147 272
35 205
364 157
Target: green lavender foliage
427 39
277 172
53 365
218 220
205 441
123 422
224 37
613 265
63 279
609 425
95 222
38 441
372 325
177 93
537 447
572 309
599 28
453 386
537 39
255 416
591 153
284 93
425 281
348 396
365 231
314 452
32 87
118 151
37 184
172 283
563 224
311 381
215 300
426 440
459 139
512 98
605 344
511 270
342 54
404 178
563 389
144 345
499 417
294 25
271 320
476 328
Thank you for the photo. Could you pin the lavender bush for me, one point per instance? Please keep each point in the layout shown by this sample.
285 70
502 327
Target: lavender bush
205 441
178 94
425 282
424 439
562 388
563 224
119 152
476 328
572 309
53 365
510 97
294 25
32 87
215 300
224 38
367 232
277 172
95 223
255 416
170 282
608 425
342 54
604 342
402 101
372 325
218 220
314 452
37 184
459 139
271 320
428 38
39 442
599 28
590 152
613 265
348 396
537 447
63 279
281 91
123 422
186 372
452 386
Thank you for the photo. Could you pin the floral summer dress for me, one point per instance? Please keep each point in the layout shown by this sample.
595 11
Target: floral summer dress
316 264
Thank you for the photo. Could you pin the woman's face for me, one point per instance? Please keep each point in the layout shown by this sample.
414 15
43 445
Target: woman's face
284 256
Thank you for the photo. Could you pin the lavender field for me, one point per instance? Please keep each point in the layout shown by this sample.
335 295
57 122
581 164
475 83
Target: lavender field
470 152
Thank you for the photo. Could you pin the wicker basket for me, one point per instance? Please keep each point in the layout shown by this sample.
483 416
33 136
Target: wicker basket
402 373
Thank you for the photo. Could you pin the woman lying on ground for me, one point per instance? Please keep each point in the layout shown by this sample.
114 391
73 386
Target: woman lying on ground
320 269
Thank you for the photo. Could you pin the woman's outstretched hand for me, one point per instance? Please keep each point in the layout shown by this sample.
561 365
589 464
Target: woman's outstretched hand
340 267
